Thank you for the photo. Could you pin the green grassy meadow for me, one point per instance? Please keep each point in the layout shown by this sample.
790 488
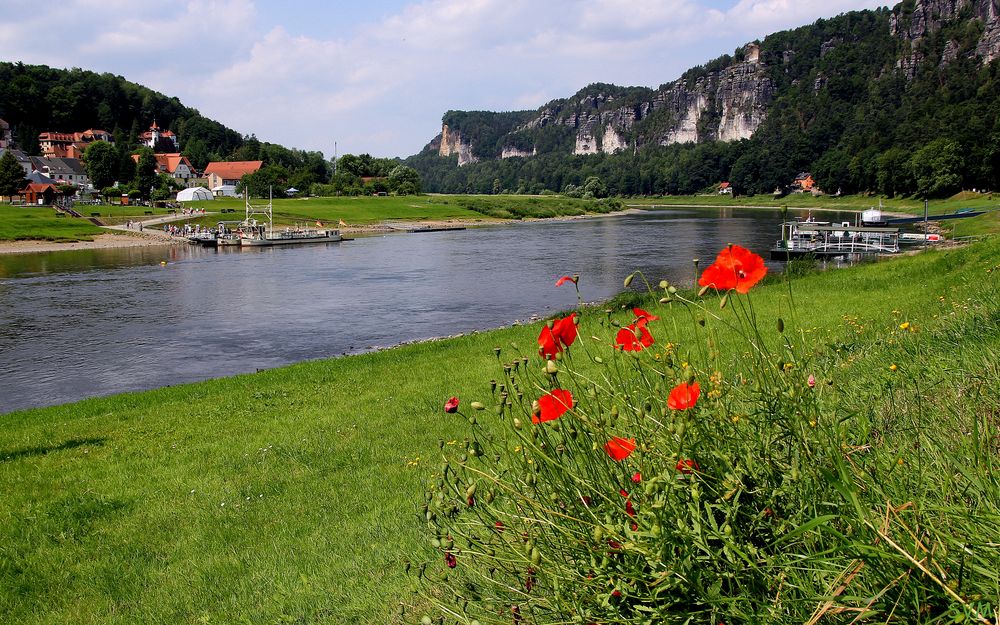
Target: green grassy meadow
293 495
19 223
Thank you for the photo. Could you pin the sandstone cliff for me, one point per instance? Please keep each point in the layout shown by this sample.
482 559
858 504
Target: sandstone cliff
915 21
730 98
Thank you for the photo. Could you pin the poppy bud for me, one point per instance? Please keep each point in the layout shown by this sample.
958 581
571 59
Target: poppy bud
664 284
781 325
477 406
517 423
628 280
703 290
493 386
551 368
672 290
496 351
665 300
724 301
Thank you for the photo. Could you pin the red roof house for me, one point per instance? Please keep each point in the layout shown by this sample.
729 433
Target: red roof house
229 173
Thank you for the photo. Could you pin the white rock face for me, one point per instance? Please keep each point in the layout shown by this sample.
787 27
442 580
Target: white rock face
612 142
686 128
512 152
451 143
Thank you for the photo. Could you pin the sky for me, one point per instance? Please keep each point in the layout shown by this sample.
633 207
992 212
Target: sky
376 76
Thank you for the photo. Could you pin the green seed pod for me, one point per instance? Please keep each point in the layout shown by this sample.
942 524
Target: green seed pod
781 325
536 556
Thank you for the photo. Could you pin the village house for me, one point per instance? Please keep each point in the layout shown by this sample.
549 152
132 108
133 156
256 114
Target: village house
725 188
6 138
155 134
804 183
174 165
22 159
223 176
36 193
70 144
62 170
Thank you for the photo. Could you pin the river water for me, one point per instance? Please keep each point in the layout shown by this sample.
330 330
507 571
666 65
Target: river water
79 324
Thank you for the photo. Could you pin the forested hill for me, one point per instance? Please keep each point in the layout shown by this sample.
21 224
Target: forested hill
897 101
37 98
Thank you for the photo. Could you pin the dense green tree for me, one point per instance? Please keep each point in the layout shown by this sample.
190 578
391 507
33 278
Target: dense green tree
270 180
404 180
145 172
102 161
936 168
11 175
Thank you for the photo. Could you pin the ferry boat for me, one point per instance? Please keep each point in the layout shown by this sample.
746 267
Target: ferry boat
254 234
823 239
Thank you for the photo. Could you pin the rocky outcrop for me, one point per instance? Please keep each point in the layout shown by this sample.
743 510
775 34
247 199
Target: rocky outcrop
724 105
927 17
452 143
512 152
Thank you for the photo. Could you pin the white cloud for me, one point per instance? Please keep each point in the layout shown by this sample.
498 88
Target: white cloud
382 87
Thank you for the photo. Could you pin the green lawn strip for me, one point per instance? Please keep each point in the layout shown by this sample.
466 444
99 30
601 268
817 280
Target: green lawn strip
317 463
914 206
19 223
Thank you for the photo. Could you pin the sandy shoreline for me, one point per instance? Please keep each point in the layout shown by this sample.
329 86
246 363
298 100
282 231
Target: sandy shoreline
100 242
154 237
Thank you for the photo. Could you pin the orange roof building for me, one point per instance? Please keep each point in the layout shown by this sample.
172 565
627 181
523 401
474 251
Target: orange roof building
229 173
70 144
174 165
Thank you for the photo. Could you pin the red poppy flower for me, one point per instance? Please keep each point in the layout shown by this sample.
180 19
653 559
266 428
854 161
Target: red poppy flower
735 268
552 405
637 478
548 344
629 510
451 405
687 466
619 448
642 314
563 280
634 337
565 330
552 340
450 560
683 396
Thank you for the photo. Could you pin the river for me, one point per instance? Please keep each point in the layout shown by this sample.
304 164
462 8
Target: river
78 324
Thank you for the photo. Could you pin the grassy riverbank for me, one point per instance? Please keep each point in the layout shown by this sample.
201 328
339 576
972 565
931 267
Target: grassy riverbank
22 223
292 495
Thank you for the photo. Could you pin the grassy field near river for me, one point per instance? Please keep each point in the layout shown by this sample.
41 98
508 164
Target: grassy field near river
293 495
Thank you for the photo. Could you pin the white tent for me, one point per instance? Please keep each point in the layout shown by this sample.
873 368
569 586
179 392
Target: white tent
193 194
225 190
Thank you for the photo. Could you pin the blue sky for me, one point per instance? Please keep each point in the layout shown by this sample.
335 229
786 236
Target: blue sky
377 76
